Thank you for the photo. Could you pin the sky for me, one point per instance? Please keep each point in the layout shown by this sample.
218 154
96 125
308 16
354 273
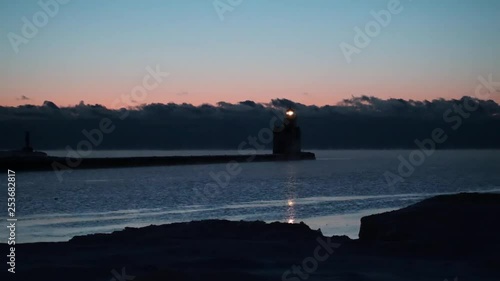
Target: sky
99 51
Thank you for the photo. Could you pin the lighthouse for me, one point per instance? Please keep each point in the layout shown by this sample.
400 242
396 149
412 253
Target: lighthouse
286 139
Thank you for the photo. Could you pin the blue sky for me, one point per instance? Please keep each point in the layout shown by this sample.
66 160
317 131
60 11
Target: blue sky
96 50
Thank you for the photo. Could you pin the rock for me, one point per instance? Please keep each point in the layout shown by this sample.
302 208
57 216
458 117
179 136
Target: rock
452 218
207 229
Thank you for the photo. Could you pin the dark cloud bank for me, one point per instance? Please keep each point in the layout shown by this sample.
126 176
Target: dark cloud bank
359 122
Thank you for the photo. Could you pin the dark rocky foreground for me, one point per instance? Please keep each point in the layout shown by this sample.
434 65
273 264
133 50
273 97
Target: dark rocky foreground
439 238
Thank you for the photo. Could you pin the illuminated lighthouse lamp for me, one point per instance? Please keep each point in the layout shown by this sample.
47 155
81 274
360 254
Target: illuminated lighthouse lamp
290 113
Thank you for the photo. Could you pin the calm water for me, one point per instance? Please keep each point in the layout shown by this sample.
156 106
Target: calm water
331 193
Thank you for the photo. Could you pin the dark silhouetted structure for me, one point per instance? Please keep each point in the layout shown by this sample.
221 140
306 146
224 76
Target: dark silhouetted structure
27 143
26 152
287 137
286 148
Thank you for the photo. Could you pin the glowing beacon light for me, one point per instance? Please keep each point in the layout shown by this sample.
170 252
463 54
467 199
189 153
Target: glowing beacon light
286 138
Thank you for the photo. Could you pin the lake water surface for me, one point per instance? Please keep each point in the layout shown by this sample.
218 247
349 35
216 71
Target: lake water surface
331 193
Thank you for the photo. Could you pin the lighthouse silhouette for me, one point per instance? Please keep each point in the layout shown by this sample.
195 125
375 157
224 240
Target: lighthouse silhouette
286 138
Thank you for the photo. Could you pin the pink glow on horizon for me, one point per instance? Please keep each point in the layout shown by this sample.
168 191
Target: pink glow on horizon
311 95
95 87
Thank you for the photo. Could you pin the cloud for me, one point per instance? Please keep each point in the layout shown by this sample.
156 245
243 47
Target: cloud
358 122
23 97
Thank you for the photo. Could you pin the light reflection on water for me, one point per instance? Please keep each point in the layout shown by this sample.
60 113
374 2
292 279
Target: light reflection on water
332 193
